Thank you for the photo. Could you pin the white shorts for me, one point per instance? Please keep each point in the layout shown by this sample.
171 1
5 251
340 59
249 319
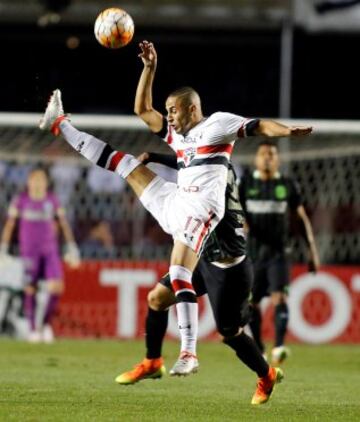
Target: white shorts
187 217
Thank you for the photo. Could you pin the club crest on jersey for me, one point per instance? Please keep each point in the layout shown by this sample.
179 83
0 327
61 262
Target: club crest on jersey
48 207
189 154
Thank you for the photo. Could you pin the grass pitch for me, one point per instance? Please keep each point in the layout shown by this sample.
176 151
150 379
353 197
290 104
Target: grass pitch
74 381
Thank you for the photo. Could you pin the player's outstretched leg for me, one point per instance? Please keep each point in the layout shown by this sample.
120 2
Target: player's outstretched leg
265 386
95 150
140 179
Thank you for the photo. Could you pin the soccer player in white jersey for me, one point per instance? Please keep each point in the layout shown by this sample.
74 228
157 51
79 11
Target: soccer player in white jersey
190 210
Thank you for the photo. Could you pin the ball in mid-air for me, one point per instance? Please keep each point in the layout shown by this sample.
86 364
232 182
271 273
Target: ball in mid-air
114 28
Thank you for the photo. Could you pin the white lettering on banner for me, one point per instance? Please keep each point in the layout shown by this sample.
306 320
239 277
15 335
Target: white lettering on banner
128 283
341 306
355 283
206 321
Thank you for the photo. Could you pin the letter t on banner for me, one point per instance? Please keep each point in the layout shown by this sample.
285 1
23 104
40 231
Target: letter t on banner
128 282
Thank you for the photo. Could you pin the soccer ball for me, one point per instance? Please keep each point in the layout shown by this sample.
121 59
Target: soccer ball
114 28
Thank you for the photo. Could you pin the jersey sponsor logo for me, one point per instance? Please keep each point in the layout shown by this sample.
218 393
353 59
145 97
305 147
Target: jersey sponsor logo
194 139
253 192
280 192
266 206
36 215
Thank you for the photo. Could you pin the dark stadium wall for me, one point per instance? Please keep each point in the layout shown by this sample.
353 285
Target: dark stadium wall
236 71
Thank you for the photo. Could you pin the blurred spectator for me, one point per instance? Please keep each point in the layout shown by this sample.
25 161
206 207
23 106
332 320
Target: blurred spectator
102 181
100 242
65 176
16 174
3 167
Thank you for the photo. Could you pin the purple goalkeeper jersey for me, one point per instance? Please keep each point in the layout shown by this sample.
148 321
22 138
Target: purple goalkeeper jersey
37 232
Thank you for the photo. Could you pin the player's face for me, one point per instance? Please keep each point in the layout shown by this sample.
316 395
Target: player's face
37 182
178 115
267 159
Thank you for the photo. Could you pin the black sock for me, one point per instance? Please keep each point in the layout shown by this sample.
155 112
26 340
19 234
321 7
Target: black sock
156 325
255 325
281 318
248 352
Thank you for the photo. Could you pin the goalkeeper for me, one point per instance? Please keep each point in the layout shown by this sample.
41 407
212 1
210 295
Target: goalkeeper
36 210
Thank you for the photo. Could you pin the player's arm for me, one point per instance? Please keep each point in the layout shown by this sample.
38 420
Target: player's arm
8 229
240 127
6 235
314 261
168 160
272 128
72 255
143 99
65 226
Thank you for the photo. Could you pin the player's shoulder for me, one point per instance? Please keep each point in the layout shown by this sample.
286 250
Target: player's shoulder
19 200
250 175
21 196
220 115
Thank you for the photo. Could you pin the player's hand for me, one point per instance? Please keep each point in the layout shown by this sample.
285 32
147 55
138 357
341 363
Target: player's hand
72 255
300 130
144 157
148 54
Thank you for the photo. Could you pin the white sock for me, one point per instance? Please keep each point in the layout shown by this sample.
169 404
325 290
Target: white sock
187 315
97 151
187 309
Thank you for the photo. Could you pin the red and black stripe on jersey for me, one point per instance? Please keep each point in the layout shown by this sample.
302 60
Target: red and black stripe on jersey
204 156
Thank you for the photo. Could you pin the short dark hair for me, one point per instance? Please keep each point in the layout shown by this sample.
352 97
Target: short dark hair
186 94
185 90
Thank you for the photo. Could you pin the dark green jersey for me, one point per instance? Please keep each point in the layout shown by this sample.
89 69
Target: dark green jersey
267 205
227 240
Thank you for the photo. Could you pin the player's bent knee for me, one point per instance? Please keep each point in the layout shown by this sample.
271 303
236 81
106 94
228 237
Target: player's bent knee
230 335
156 301
229 332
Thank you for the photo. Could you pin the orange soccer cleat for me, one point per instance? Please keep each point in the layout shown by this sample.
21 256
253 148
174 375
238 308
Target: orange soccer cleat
148 368
265 385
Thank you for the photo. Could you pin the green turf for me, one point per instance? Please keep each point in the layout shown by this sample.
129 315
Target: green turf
74 381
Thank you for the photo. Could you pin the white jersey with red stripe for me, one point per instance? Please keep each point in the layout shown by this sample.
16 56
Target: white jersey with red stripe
203 156
190 210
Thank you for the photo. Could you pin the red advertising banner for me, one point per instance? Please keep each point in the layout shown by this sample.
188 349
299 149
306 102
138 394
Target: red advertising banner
108 299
